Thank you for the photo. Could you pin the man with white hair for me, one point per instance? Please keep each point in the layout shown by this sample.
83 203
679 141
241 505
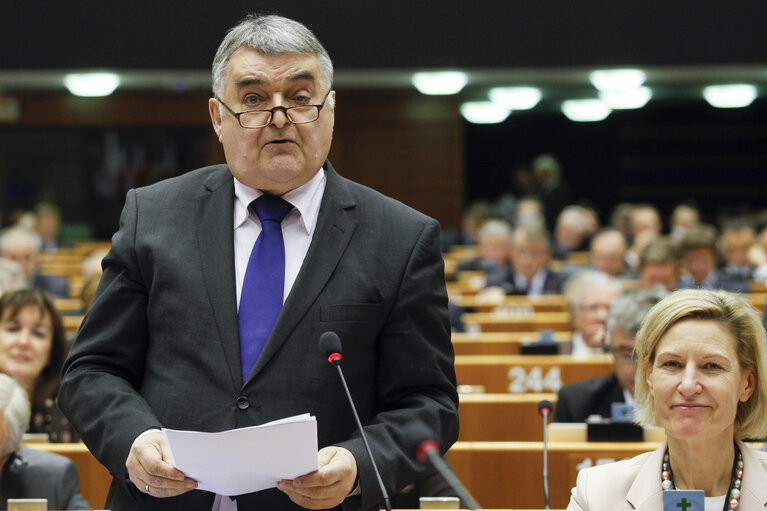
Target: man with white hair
23 246
589 295
29 473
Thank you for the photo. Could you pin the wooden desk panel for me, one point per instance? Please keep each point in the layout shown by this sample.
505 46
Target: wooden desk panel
508 474
543 303
501 417
528 373
500 322
498 343
94 478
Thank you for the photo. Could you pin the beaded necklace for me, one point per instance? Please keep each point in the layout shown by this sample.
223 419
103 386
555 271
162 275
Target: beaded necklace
733 492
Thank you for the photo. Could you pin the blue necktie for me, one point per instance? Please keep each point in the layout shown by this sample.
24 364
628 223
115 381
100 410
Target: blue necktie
264 283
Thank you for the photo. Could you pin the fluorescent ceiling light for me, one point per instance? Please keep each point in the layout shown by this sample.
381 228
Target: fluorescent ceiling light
91 84
585 110
484 112
440 82
617 79
516 98
735 95
626 99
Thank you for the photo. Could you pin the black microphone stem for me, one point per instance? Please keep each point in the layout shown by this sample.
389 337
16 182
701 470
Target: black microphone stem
546 458
337 364
452 480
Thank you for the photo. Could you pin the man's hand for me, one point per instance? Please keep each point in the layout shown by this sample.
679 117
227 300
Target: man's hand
150 470
329 485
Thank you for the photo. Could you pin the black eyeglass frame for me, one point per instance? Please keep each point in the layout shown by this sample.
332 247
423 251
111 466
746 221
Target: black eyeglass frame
285 109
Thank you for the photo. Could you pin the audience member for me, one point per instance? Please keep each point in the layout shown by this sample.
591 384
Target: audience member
48 225
699 255
553 192
645 227
608 253
684 216
701 361
32 351
737 238
620 218
588 296
530 255
493 243
757 254
472 220
595 396
31 473
572 231
530 212
11 276
23 246
659 265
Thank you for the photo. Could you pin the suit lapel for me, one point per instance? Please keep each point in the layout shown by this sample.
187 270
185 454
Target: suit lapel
753 496
336 222
646 493
215 240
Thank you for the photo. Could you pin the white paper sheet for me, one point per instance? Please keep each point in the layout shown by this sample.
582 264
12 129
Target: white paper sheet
245 460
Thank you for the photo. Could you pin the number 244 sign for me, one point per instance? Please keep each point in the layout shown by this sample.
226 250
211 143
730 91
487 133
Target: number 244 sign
522 381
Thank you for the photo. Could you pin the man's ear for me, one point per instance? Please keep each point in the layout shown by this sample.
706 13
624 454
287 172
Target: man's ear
215 117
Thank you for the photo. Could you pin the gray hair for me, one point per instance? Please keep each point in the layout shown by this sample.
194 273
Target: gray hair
269 35
494 228
14 404
628 311
20 236
587 279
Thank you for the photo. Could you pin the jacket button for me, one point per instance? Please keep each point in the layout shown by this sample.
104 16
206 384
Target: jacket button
243 403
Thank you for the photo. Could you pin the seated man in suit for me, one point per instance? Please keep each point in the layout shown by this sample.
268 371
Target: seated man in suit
23 246
493 241
530 273
29 473
589 295
595 396
608 253
658 265
700 258
736 240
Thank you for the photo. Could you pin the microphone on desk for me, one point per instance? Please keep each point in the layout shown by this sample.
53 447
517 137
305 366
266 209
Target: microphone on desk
428 450
544 408
330 344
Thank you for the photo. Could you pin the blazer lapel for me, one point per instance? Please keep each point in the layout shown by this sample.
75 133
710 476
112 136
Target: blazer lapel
336 223
215 240
646 493
753 495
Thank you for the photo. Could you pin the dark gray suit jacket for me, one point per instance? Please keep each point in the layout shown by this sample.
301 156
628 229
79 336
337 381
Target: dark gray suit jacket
33 474
160 344
576 401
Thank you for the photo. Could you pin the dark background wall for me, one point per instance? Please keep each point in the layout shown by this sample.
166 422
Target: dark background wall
414 148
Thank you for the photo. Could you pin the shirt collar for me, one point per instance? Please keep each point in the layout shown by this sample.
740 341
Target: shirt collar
306 199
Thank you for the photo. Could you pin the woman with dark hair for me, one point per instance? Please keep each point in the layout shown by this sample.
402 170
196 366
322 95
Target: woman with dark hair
32 351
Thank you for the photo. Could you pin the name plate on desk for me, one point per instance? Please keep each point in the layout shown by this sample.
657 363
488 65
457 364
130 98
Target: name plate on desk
614 432
683 500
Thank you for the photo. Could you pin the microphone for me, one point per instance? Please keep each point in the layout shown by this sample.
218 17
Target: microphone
330 345
544 408
428 450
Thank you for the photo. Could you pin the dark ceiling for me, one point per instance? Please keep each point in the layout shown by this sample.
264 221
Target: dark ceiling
392 34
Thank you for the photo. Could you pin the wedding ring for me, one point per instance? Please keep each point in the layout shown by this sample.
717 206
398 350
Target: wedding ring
147 488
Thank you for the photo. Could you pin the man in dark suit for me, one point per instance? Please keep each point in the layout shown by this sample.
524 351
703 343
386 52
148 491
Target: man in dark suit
161 346
701 256
29 473
530 273
595 396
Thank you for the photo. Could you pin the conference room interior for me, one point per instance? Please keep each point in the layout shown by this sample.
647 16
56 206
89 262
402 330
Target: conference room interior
84 153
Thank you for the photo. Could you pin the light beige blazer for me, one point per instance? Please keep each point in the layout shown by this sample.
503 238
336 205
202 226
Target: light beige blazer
634 484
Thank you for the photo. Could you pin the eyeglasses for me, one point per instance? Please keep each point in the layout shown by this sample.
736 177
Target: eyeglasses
623 354
301 114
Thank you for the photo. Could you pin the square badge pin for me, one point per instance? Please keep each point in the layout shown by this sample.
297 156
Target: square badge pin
683 500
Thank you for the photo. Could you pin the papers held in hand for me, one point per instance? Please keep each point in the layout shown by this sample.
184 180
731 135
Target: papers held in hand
246 460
